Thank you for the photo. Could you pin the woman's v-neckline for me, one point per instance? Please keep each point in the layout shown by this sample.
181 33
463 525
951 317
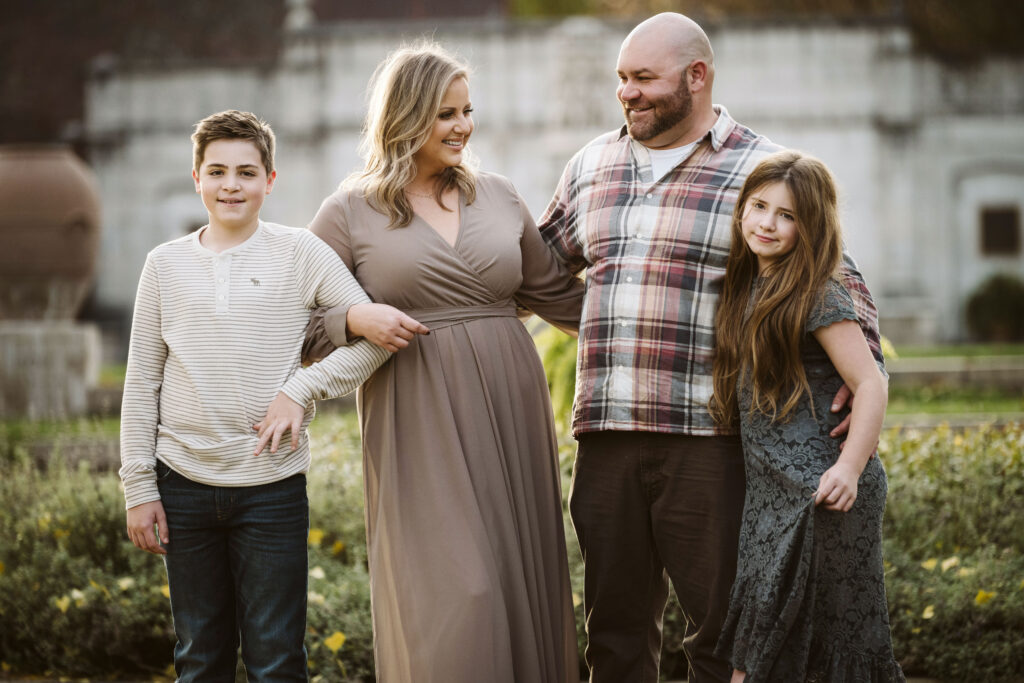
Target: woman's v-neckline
458 229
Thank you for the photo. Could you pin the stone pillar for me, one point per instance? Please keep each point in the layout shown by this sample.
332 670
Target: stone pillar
47 368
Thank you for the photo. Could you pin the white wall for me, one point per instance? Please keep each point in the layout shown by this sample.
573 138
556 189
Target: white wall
917 148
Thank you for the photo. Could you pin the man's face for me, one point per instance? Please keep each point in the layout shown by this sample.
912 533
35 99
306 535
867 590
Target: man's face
654 93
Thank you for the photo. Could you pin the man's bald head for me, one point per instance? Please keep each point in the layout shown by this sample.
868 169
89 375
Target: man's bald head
673 34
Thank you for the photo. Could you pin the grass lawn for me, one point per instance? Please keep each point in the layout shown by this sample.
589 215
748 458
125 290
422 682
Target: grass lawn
968 350
955 405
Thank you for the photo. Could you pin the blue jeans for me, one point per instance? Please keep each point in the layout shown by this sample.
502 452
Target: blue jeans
237 569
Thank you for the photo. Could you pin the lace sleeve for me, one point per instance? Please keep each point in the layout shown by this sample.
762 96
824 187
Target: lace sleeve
836 304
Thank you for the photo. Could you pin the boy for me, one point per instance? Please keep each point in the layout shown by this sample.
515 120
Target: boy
218 326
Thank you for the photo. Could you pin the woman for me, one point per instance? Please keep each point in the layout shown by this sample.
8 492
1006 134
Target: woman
468 572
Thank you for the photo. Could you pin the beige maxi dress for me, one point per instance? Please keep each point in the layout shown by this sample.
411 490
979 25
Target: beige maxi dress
468 572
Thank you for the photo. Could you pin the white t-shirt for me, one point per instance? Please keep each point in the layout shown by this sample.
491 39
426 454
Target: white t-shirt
664 160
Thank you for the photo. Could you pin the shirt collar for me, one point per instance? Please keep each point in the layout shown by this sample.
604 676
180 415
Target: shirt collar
719 132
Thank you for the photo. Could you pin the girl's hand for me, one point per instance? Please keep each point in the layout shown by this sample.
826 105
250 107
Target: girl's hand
837 488
383 325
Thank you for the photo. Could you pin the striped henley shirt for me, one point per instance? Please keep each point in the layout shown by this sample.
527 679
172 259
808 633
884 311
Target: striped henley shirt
215 336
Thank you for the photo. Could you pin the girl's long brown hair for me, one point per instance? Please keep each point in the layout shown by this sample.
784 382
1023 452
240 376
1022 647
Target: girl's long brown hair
765 341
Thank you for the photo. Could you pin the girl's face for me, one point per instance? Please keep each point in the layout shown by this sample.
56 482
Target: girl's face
769 223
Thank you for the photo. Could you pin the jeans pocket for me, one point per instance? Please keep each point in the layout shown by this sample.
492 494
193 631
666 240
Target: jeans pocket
163 472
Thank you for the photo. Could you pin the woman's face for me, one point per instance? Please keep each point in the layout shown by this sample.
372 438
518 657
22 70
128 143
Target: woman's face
452 128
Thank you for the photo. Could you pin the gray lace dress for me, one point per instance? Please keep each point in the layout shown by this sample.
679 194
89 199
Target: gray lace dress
808 603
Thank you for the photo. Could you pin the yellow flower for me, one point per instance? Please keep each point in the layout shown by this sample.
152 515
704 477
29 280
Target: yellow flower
915 630
928 612
165 590
101 588
317 573
335 642
63 602
965 571
576 600
316 598
888 350
78 596
126 583
930 564
950 562
60 533
337 548
983 597
958 441
316 536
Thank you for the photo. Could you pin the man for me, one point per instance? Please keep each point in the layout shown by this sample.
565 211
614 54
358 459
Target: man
658 486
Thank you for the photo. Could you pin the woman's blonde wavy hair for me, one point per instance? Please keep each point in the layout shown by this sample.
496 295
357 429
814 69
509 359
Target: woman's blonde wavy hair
765 340
405 98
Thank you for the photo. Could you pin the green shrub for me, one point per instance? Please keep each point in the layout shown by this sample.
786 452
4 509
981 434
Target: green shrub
558 353
75 596
77 599
952 490
954 551
339 625
995 311
958 616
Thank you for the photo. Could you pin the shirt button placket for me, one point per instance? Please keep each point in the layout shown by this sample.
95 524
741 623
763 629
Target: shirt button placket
222 273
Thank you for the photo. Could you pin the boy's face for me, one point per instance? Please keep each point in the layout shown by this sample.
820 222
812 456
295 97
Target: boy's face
233 183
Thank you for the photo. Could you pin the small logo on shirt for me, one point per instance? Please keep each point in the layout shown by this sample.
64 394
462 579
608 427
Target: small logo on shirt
254 281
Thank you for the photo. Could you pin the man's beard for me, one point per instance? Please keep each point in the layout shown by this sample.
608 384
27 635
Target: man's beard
668 111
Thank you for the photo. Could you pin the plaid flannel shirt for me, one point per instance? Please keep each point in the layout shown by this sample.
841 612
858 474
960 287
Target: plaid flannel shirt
655 253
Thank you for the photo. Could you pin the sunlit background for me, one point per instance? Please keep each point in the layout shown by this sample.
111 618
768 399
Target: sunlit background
918 106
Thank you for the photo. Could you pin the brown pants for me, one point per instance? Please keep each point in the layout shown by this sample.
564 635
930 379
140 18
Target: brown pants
648 508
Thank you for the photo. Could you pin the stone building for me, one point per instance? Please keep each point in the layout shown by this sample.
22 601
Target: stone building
930 158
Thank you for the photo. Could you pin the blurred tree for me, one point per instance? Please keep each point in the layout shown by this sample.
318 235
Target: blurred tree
963 31
46 48
956 31
341 10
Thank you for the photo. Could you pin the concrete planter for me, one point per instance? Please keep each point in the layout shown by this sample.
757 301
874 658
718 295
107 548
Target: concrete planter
50 232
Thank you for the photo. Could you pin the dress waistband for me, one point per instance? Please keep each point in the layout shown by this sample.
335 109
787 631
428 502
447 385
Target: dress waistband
436 318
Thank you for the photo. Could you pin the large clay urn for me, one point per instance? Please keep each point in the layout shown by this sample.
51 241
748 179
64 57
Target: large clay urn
49 232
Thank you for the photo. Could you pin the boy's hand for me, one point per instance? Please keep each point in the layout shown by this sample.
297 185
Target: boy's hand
383 325
283 415
837 488
141 520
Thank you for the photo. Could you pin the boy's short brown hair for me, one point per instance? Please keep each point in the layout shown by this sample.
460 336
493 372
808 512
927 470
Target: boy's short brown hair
233 124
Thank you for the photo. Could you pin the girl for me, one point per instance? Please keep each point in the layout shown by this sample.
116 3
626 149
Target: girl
808 603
